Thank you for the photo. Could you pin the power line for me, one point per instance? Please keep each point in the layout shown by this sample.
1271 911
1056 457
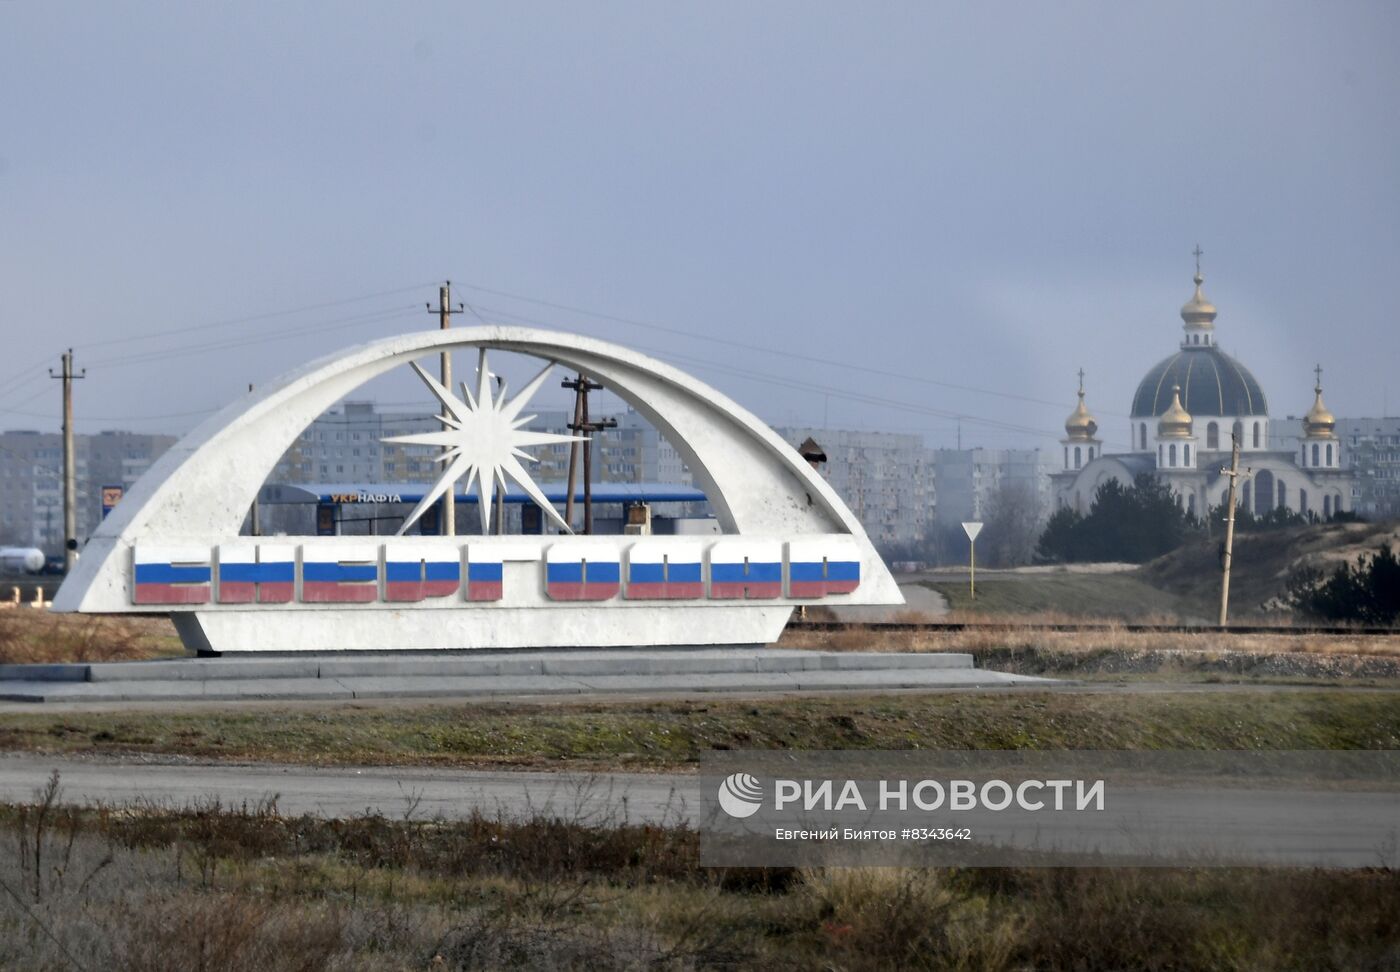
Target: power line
799 385
269 315
115 418
35 375
785 352
143 357
30 370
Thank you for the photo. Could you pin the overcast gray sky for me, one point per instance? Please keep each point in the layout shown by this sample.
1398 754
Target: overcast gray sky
980 194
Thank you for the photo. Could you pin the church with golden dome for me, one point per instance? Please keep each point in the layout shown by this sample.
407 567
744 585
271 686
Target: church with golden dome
1188 409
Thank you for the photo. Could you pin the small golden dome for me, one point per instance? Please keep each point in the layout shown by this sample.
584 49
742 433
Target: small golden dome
1175 422
1081 426
1198 310
1319 422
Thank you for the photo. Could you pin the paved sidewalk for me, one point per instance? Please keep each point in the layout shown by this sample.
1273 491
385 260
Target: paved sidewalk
497 674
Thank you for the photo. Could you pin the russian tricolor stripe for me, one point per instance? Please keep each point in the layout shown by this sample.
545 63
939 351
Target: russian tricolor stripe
820 567
415 573
582 572
407 570
746 570
842 576
339 574
662 570
484 576
171 575
257 573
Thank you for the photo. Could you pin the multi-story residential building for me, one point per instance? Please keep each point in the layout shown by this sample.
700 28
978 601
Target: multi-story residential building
884 477
1370 452
31 480
969 480
1371 449
346 445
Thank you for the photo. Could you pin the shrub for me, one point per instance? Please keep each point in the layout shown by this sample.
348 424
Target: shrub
1367 592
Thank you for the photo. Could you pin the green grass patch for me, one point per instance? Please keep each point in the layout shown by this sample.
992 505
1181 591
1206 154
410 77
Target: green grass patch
1123 596
673 734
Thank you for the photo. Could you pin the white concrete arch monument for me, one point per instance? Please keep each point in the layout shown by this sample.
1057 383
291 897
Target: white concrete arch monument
173 543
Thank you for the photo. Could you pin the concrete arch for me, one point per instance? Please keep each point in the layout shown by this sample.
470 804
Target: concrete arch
203 487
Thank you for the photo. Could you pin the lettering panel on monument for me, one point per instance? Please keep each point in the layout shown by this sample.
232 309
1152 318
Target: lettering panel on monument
746 570
257 573
664 570
339 574
582 571
171 575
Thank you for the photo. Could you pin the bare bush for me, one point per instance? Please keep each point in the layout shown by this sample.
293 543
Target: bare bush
28 636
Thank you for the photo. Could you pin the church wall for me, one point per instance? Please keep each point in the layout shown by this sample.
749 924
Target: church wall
1144 430
1206 487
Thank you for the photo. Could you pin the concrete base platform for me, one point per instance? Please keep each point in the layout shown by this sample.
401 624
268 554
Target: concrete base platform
480 674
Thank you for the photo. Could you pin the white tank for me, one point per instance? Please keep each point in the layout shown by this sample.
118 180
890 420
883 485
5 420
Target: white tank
21 560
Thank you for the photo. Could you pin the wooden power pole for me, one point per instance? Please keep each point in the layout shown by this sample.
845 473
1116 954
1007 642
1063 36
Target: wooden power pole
581 386
255 525
444 311
70 467
1233 471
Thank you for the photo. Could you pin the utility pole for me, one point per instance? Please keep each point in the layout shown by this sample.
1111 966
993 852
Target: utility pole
581 387
70 468
1234 473
256 525
445 310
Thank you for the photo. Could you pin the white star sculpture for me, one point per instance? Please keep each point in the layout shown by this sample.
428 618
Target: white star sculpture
484 443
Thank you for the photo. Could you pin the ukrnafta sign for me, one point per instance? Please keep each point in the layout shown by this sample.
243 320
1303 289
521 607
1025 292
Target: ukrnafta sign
174 545
1005 808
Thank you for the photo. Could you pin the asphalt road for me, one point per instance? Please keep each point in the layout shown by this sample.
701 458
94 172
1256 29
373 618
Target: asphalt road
1351 829
395 792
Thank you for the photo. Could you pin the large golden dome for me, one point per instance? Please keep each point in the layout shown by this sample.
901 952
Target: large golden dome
1176 421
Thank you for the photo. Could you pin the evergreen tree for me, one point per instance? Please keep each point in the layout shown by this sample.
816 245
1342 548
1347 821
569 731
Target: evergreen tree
1367 592
1133 523
1059 541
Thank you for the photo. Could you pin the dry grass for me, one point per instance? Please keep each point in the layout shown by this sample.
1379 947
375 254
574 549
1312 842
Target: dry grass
1114 637
229 889
29 636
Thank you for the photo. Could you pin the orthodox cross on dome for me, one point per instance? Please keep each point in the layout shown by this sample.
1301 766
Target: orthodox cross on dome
484 442
1198 253
1318 371
1081 382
